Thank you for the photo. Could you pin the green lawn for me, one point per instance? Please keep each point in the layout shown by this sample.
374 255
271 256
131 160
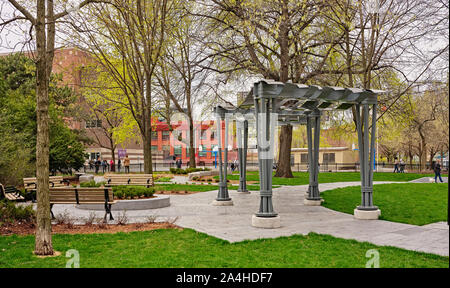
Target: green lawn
302 178
187 248
412 203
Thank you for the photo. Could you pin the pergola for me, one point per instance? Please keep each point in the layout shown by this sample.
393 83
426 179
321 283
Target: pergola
272 103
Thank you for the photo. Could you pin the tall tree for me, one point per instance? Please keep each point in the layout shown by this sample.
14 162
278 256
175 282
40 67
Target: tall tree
127 39
44 25
283 40
183 72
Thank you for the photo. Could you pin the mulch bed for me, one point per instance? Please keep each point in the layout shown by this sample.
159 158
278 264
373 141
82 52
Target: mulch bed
184 192
28 228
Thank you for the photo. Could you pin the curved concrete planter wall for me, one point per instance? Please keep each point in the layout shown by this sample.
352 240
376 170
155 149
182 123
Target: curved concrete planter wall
203 173
160 201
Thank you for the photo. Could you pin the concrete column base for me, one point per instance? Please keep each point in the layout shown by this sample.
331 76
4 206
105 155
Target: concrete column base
308 202
266 222
366 215
243 192
222 203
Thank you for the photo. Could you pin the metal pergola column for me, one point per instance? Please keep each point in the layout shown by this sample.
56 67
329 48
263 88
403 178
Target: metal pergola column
366 155
264 106
313 121
242 139
223 188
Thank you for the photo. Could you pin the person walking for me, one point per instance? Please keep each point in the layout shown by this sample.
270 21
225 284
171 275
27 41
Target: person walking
396 170
402 166
179 163
437 171
111 166
97 165
119 165
104 165
126 163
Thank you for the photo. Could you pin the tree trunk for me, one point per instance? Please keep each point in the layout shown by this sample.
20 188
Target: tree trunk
284 153
147 139
192 163
43 241
284 156
113 154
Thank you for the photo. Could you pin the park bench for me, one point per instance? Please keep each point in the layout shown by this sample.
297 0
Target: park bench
30 184
11 193
75 195
129 179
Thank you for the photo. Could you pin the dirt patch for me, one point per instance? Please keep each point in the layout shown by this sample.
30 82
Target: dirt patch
184 192
29 228
200 180
55 254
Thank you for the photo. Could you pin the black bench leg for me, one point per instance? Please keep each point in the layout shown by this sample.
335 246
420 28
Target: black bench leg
108 211
51 212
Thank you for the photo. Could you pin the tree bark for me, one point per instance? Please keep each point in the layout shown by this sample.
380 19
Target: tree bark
284 153
192 163
43 240
284 157
147 139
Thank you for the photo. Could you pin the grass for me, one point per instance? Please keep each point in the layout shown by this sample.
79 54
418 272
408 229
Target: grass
188 248
163 179
411 203
302 178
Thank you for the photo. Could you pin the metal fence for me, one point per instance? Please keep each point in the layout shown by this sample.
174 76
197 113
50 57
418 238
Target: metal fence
252 165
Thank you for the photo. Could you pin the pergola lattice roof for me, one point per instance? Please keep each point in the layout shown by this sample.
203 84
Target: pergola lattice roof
296 101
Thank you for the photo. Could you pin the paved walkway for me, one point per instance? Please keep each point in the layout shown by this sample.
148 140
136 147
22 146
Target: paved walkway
427 180
233 223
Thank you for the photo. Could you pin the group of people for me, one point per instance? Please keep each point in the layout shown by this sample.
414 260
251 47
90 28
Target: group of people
399 166
108 167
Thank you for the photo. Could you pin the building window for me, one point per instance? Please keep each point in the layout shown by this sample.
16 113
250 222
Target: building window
165 135
93 123
154 135
203 134
292 160
328 158
166 148
154 148
187 151
203 152
177 151
304 158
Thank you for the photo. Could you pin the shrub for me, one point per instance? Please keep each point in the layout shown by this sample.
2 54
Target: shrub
92 184
122 218
131 192
163 179
187 170
209 180
10 213
150 219
90 219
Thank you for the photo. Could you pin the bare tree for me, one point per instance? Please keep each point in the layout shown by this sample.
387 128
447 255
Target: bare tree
183 73
127 39
281 40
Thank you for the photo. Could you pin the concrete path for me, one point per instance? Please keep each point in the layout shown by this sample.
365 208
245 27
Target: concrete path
427 180
233 223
